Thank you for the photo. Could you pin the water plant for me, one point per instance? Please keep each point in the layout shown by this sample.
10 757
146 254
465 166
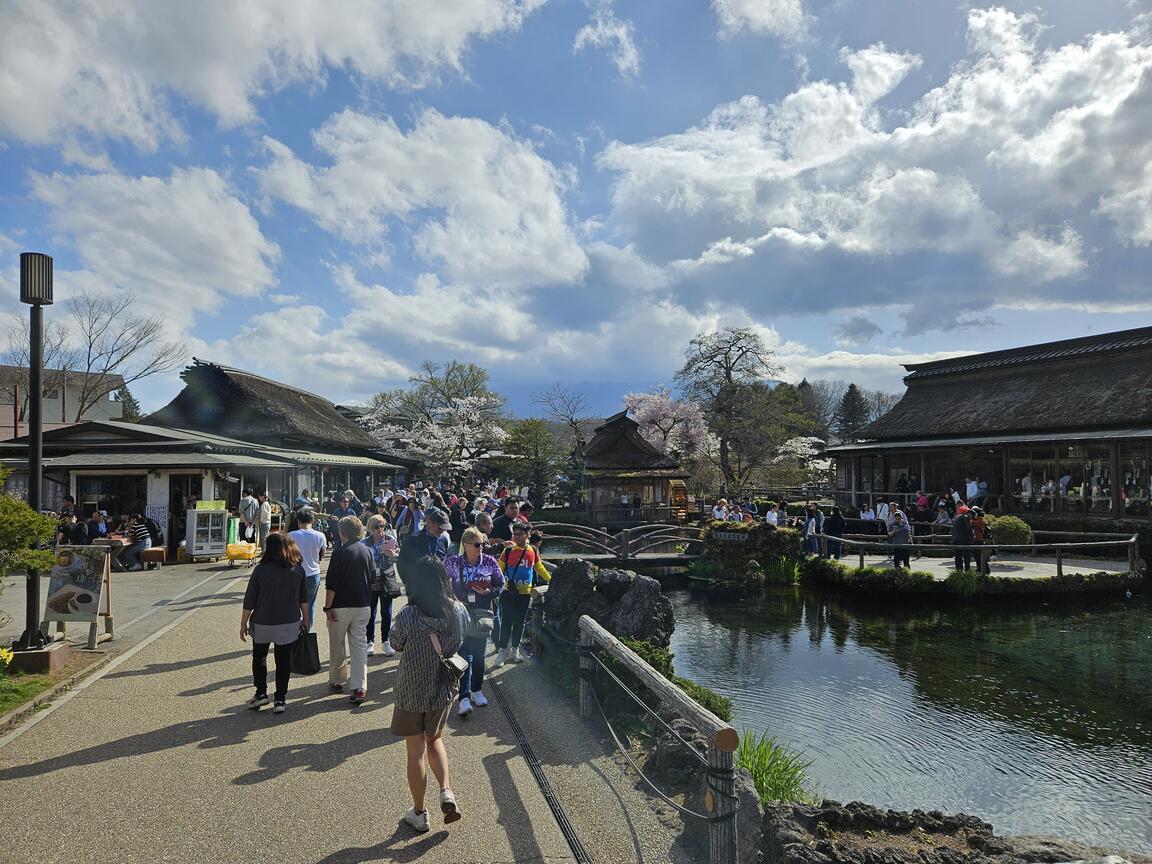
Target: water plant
964 582
782 571
779 773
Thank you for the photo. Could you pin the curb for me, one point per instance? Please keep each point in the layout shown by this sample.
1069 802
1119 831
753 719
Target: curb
18 715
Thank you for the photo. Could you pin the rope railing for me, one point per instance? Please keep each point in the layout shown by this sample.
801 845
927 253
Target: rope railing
861 542
723 740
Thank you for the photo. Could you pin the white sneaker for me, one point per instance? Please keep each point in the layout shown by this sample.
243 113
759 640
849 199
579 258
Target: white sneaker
500 659
479 699
389 651
465 707
371 649
516 658
449 806
417 821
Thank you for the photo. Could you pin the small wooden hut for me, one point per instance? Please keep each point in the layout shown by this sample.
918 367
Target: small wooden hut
626 479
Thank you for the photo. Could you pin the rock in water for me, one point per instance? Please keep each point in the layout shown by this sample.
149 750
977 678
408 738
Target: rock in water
569 592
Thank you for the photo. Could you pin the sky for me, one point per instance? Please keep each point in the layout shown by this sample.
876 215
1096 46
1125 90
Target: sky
567 191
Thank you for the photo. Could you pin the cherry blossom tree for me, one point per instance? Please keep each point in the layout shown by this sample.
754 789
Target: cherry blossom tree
673 426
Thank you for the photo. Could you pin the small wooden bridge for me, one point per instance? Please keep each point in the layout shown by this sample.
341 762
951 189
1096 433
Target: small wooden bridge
657 545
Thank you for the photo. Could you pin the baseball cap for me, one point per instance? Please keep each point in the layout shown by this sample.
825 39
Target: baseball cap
435 514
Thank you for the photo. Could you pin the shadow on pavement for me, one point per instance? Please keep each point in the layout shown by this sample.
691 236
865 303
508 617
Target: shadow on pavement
323 756
161 668
383 851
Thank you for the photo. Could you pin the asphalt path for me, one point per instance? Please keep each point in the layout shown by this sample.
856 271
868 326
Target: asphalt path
154 758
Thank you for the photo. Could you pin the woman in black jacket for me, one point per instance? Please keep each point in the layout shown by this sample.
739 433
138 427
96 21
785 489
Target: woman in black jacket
834 527
275 611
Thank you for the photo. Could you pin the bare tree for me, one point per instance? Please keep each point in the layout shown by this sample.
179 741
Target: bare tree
880 403
117 346
59 360
821 399
565 406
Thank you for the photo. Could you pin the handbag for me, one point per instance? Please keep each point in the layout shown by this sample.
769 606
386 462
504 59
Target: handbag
451 668
305 655
392 586
481 623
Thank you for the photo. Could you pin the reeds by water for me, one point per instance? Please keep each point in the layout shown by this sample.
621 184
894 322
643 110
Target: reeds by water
779 773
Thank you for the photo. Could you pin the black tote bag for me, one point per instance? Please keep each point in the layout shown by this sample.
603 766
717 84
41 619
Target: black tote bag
306 655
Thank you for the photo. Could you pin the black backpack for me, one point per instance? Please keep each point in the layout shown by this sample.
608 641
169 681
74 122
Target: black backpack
154 531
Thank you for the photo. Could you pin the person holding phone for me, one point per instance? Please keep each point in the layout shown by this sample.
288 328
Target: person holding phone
476 581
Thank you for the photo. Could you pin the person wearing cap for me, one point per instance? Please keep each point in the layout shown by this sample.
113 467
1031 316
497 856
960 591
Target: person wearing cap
962 538
521 565
431 539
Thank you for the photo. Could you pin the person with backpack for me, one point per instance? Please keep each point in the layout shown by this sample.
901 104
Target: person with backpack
427 630
476 581
137 532
521 565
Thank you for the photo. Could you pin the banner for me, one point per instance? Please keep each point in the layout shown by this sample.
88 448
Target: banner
75 583
211 505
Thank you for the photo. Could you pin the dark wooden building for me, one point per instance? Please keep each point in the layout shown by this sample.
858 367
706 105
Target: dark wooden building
619 466
1061 427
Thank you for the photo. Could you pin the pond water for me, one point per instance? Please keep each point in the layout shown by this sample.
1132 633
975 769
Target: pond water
1038 720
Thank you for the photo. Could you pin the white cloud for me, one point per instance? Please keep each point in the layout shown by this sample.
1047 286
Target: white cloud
500 215
610 33
1001 178
185 243
111 67
783 18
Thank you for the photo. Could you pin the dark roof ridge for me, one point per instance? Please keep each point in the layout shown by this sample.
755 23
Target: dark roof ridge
1097 343
197 363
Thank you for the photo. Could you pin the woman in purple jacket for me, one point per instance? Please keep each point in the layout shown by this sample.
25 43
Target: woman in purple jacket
477 582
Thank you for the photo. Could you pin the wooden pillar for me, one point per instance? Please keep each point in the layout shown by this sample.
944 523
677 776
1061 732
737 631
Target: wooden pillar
1059 562
585 671
722 833
1008 502
1117 483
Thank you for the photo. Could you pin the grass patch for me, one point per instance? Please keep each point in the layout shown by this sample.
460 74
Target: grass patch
782 571
779 773
15 690
966 583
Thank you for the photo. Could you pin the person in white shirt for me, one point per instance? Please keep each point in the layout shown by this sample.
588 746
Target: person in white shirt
971 489
312 544
263 520
868 514
882 512
720 511
249 511
772 515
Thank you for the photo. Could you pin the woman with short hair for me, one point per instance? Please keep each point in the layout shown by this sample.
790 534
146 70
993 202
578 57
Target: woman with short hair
430 627
476 581
275 611
381 540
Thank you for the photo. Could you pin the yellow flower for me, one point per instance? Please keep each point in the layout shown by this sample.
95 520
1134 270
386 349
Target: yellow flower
6 656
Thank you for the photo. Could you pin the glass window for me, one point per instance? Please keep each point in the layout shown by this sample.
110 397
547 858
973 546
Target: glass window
1044 475
1135 477
1024 491
1070 485
1098 479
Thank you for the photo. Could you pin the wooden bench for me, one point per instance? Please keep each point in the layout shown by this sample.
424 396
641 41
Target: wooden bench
154 557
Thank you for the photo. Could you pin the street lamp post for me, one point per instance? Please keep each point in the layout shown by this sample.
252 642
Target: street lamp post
36 291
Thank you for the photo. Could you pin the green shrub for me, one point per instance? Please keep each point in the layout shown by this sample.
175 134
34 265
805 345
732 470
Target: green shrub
658 658
782 571
779 773
1010 530
719 705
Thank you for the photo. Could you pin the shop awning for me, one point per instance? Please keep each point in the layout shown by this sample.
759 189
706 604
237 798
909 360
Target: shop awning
989 441
144 459
309 457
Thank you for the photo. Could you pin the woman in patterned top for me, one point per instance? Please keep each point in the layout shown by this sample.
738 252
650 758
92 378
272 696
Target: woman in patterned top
431 626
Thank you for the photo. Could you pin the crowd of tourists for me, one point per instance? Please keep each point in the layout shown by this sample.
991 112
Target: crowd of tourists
895 522
466 560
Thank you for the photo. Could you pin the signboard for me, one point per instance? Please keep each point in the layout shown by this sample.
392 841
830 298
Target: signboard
730 536
75 583
211 505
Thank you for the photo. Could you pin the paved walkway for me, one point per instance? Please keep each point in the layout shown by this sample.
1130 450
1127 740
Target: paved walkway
1028 568
158 761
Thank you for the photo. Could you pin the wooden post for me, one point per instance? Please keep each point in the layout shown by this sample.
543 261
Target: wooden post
1131 554
625 542
585 670
1059 562
721 834
861 548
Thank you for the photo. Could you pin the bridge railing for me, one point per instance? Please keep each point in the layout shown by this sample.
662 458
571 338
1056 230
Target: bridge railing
627 543
723 740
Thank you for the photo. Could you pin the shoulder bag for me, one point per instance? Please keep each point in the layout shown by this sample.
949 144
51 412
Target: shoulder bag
481 623
451 668
305 655
392 586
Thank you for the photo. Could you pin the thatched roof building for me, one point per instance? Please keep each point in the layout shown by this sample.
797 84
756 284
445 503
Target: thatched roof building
238 404
620 466
1063 427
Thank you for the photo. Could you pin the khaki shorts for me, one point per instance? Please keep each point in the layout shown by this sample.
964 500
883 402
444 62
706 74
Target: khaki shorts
428 723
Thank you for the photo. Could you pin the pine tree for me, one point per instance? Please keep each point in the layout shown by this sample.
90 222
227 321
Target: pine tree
129 407
852 414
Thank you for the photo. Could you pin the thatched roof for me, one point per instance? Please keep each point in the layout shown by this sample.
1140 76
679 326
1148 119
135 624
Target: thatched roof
232 402
1099 382
618 445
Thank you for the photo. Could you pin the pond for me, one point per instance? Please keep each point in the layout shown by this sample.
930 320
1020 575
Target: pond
1038 720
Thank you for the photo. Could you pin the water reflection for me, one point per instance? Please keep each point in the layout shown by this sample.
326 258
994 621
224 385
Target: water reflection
1038 719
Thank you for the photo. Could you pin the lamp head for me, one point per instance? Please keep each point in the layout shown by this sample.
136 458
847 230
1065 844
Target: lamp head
36 278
